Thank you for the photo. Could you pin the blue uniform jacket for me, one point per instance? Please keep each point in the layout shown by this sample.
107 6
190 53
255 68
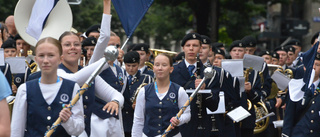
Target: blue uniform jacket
223 123
127 111
197 126
297 124
254 96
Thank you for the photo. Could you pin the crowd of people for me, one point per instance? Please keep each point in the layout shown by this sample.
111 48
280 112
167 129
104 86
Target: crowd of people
131 99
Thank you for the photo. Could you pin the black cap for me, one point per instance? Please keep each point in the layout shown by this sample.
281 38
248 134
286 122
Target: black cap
90 41
132 57
218 45
265 53
249 41
130 46
318 56
191 36
180 56
314 37
9 43
220 51
94 28
294 42
236 43
290 48
205 39
280 48
141 46
84 52
275 55
17 37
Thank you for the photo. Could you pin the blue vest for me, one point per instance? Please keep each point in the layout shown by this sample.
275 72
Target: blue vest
40 115
88 101
159 112
7 72
115 82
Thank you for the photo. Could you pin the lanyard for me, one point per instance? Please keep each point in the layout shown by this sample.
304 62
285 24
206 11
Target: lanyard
156 86
58 79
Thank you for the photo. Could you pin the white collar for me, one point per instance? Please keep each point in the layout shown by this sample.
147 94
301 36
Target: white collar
316 82
187 63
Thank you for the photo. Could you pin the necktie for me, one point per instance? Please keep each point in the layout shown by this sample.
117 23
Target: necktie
130 79
312 87
190 68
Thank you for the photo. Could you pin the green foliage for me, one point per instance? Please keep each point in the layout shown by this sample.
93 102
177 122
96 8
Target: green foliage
165 23
7 8
88 13
236 16
224 37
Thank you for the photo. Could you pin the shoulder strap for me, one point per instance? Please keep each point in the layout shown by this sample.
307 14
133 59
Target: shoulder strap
6 70
221 77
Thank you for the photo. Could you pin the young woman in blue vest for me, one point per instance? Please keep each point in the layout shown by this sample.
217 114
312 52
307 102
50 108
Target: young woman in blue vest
39 102
71 47
158 103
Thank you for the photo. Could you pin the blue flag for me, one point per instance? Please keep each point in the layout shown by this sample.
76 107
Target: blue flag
131 12
308 61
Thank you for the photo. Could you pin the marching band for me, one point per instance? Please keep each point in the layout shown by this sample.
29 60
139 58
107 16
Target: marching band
154 93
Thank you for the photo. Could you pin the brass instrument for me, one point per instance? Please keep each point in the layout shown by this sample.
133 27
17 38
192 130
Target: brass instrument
261 111
156 52
246 76
12 102
149 64
134 98
33 66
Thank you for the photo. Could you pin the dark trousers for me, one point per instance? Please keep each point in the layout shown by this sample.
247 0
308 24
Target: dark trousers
246 132
127 134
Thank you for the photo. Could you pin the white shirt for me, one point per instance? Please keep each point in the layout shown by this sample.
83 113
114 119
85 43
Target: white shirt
139 112
103 39
75 124
142 69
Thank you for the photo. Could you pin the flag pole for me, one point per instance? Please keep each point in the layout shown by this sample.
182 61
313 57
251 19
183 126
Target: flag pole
124 44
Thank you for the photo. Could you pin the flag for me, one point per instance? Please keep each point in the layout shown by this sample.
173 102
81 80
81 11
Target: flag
131 12
308 61
40 12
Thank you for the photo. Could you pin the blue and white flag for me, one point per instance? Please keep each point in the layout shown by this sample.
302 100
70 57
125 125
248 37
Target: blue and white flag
40 12
131 13
297 87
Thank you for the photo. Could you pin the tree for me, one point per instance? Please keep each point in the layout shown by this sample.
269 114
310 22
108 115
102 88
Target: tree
7 8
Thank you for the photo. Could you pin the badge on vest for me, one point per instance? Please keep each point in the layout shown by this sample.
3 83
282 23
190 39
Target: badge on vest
120 77
172 97
64 98
18 80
